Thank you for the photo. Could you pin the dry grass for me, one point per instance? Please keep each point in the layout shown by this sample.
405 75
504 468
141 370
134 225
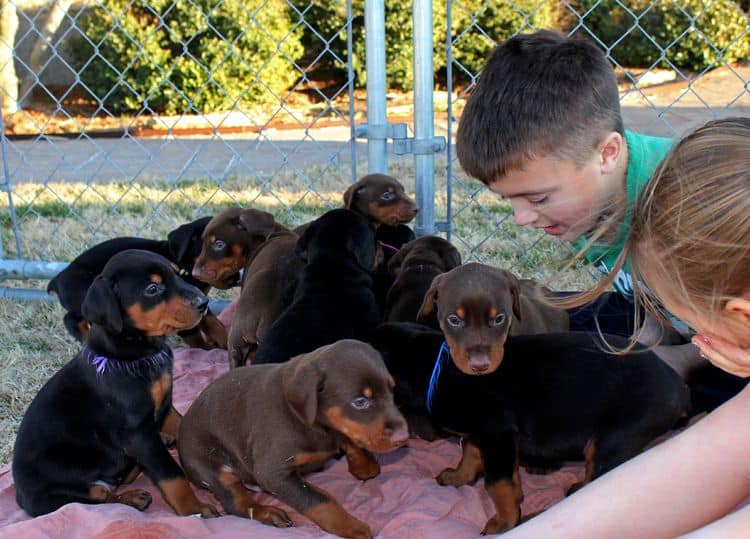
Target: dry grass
56 221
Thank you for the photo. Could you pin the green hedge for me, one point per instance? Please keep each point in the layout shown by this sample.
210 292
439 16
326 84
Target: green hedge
188 56
721 23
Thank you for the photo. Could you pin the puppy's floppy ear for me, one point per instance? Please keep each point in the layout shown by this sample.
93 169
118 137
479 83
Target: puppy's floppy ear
181 238
430 298
256 222
361 243
100 306
351 195
301 385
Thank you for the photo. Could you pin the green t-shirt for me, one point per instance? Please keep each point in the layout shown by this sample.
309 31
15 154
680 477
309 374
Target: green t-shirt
644 154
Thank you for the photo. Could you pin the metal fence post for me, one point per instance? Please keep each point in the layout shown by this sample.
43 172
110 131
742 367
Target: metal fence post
424 112
377 158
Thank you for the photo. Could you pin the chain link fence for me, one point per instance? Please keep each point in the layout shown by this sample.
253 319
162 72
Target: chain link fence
110 125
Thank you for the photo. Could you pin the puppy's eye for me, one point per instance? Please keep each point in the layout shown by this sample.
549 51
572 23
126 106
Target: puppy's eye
498 320
219 245
361 403
454 320
387 196
153 289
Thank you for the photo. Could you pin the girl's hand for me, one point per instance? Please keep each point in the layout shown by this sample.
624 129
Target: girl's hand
726 356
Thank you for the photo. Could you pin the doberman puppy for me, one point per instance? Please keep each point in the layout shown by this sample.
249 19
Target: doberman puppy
334 298
415 266
479 288
290 419
181 247
97 421
553 397
382 199
267 289
229 241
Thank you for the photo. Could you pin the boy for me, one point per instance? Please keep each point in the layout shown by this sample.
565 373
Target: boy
543 129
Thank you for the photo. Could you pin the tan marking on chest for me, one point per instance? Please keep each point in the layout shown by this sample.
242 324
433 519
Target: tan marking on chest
160 389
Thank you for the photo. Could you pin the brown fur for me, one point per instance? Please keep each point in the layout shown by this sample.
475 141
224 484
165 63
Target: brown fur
494 303
270 279
229 240
291 418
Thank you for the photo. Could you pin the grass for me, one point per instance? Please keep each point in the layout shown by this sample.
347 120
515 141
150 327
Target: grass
56 221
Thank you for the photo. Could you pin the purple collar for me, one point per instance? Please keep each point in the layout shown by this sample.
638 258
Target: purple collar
107 364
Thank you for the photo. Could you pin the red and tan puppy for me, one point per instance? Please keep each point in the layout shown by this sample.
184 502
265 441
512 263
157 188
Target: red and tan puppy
291 418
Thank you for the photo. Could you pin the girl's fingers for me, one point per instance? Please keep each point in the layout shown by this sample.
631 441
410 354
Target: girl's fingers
724 355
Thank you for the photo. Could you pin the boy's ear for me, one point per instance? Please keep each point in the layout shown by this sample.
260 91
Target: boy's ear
610 151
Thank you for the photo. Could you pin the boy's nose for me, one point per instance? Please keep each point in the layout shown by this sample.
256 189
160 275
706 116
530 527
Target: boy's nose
524 216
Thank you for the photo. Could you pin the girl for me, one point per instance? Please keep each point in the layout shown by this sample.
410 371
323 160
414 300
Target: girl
689 246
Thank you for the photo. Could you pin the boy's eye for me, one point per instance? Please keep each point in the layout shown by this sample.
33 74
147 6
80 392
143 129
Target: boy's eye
538 199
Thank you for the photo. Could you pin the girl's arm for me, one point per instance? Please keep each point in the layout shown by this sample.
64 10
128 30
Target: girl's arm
676 487
730 527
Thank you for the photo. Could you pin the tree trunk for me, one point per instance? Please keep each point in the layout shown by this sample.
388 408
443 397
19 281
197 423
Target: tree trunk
47 32
8 79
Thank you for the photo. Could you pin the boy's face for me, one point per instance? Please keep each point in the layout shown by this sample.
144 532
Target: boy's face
557 196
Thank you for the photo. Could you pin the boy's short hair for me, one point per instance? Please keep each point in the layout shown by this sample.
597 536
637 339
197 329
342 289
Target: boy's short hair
539 94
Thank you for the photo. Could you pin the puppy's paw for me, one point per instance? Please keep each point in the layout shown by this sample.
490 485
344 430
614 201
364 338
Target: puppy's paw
138 498
365 470
452 477
498 524
206 510
272 516
356 530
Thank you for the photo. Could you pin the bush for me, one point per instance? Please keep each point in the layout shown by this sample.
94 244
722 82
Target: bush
719 35
188 55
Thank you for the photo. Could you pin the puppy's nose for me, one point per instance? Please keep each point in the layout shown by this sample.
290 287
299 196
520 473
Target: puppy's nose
479 362
397 433
199 302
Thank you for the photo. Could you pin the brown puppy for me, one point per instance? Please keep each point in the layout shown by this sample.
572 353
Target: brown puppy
267 289
414 266
291 418
495 304
381 198
229 240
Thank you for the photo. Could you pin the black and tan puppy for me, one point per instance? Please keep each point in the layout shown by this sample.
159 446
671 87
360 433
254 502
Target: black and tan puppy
415 266
492 301
334 298
552 398
290 419
182 247
382 199
98 420
229 241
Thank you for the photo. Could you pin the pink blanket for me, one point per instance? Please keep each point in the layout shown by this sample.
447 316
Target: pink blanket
404 501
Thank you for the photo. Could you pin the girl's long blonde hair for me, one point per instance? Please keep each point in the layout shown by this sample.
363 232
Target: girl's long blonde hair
689 240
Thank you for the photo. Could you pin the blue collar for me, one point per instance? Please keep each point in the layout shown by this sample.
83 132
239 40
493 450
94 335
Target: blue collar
132 367
443 357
